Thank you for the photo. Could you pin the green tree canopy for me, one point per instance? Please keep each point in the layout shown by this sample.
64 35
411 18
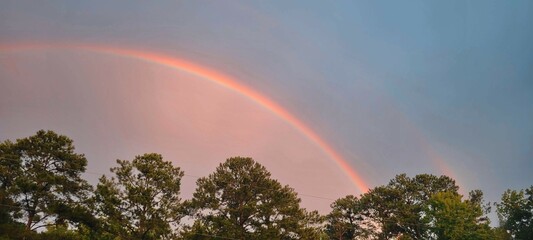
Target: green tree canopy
41 175
347 220
240 201
452 218
143 201
398 208
9 169
515 212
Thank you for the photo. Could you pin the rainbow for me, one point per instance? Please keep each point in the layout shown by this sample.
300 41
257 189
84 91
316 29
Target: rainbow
215 77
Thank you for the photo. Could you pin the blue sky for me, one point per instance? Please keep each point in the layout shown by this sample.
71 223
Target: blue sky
382 81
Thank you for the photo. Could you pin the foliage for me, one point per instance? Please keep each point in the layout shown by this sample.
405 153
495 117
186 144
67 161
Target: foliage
143 201
240 201
42 196
515 212
347 220
41 179
398 208
423 207
452 218
9 168
500 233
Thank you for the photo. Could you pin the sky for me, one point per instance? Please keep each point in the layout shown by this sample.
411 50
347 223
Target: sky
388 87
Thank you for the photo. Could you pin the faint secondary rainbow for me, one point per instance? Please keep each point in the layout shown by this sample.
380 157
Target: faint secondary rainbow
212 76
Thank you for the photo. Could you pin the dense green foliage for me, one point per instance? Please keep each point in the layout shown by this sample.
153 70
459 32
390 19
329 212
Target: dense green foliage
516 213
398 208
142 201
348 220
41 181
452 218
42 196
423 207
240 201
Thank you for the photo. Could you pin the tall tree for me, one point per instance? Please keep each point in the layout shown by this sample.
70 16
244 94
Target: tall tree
398 207
515 212
143 201
10 167
47 186
241 201
452 218
347 220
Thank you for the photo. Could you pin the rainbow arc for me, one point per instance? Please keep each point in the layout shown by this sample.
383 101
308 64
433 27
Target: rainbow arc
215 77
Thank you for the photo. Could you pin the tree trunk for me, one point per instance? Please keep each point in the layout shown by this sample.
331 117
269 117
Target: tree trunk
31 214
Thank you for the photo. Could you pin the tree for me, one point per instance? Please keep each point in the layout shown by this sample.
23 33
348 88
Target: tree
398 208
347 220
143 201
515 212
240 201
452 218
501 234
10 166
42 175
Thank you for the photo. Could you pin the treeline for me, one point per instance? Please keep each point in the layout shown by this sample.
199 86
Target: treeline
43 196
